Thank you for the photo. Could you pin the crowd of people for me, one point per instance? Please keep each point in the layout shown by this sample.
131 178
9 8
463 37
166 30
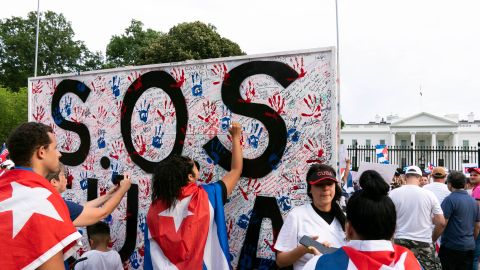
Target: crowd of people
420 221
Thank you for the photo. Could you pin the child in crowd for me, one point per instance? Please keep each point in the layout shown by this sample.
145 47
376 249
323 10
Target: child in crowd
100 256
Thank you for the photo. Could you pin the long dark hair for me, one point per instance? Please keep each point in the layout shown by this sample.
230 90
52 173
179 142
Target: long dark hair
370 211
169 176
336 209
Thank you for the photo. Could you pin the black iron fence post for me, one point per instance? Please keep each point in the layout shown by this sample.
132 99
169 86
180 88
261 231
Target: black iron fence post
355 164
412 162
478 153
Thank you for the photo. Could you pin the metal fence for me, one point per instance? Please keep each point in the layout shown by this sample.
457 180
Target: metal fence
451 157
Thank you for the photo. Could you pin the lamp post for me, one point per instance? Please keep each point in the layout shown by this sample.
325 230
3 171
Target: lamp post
36 40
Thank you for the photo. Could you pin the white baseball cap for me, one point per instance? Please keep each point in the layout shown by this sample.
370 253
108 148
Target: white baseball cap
8 164
413 170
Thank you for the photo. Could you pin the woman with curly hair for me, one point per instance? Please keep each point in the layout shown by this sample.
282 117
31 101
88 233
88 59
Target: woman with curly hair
186 222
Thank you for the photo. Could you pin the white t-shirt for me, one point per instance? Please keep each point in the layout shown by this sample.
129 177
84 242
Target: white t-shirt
99 260
303 220
439 189
415 207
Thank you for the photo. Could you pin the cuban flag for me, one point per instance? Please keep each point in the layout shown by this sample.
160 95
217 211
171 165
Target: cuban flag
190 235
429 167
369 254
3 153
382 153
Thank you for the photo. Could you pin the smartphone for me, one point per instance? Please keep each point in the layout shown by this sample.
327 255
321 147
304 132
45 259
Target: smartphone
117 178
309 242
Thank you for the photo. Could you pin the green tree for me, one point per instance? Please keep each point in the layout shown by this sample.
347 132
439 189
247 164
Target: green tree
186 41
13 111
58 51
125 50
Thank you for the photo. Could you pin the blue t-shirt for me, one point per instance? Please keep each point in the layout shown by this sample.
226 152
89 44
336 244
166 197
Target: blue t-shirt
462 212
74 209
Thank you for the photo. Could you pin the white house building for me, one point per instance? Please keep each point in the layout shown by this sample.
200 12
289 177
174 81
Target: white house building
423 129
419 139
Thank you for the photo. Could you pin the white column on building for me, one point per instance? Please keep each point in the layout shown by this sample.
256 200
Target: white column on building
392 140
455 138
434 145
412 138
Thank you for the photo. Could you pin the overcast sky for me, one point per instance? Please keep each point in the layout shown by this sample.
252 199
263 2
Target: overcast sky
388 49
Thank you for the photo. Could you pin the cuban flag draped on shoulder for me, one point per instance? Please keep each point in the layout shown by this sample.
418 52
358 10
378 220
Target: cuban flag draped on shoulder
3 153
190 235
370 254
382 153
34 222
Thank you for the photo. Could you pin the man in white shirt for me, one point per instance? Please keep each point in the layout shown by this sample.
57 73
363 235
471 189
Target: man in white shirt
415 207
438 186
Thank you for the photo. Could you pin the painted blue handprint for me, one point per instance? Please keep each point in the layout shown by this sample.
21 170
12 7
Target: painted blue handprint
216 151
68 106
197 88
115 170
292 133
285 203
226 118
57 116
157 139
101 139
84 181
115 85
134 260
274 161
142 223
143 111
255 133
243 220
81 86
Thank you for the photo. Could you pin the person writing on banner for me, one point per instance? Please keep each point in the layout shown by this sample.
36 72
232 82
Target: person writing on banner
323 220
370 226
92 211
35 229
186 226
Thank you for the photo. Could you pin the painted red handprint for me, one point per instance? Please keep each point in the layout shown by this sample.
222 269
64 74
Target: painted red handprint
100 115
99 84
253 187
179 76
52 86
117 149
88 163
316 151
209 109
37 87
168 110
140 144
67 144
314 105
135 80
249 91
39 114
79 114
277 102
298 66
220 71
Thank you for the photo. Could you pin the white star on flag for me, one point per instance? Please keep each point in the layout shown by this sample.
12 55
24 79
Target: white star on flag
25 202
179 212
